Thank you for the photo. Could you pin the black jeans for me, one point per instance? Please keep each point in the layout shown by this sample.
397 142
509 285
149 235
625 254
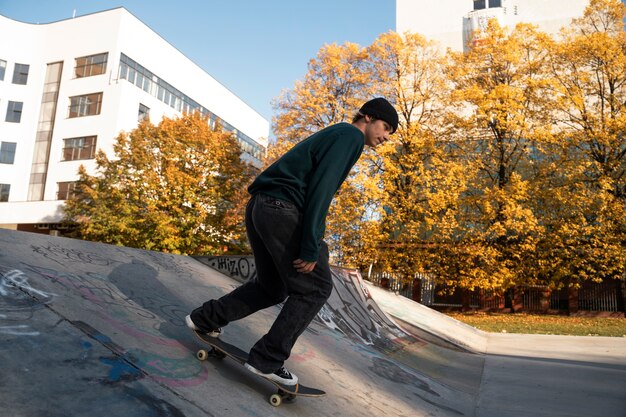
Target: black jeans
274 230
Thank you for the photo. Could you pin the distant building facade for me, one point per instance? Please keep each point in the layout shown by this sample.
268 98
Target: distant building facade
452 22
69 88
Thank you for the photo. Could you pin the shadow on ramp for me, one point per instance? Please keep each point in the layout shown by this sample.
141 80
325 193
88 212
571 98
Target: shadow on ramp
87 328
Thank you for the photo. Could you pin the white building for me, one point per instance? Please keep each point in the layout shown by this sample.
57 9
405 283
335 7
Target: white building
451 22
68 88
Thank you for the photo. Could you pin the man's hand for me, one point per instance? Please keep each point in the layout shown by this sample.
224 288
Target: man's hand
303 267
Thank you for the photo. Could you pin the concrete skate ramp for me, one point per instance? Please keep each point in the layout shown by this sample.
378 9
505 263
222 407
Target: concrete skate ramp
414 317
93 329
429 322
425 340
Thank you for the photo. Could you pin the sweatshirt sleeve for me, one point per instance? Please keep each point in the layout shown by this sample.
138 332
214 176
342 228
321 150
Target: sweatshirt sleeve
333 159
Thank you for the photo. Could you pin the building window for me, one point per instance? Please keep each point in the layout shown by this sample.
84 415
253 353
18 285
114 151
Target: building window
20 74
79 148
479 4
3 68
87 105
66 190
5 189
7 152
136 74
144 112
14 112
86 66
495 3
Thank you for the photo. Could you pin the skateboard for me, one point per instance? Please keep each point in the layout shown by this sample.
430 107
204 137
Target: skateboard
221 349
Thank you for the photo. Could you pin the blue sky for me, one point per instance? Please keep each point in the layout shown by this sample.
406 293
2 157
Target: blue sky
256 48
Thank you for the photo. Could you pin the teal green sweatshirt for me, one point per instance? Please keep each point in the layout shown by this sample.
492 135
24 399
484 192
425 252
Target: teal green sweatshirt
309 175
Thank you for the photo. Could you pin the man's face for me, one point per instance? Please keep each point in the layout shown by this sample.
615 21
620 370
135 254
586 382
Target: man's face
376 132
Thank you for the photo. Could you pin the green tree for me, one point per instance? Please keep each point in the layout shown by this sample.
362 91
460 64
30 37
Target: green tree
175 187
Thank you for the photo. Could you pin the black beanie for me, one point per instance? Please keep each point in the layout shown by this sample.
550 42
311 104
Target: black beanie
383 110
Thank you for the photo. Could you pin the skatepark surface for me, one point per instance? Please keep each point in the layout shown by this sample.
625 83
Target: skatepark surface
88 329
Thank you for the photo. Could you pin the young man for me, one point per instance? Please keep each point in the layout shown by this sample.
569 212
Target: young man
285 222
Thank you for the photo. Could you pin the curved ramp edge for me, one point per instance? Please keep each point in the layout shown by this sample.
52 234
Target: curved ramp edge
97 329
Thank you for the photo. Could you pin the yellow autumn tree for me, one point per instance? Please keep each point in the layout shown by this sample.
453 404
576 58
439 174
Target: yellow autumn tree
501 120
587 208
335 86
419 185
508 166
175 187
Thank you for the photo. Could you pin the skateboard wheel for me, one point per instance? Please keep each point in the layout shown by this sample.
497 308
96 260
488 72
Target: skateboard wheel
202 355
276 400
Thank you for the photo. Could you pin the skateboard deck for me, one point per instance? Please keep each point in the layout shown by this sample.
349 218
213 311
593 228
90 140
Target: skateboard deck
221 349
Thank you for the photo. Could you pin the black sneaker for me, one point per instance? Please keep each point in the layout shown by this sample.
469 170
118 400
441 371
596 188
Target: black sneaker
213 333
282 376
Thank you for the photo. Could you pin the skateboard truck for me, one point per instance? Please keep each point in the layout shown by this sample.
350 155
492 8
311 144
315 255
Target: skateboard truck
220 349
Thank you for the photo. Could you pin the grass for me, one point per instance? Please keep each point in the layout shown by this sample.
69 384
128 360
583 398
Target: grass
544 324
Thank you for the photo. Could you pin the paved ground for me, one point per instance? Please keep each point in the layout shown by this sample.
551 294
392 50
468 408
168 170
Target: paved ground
529 375
97 330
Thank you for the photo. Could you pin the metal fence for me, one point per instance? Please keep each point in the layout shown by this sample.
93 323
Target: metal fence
593 296
531 298
559 299
608 296
394 282
492 300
